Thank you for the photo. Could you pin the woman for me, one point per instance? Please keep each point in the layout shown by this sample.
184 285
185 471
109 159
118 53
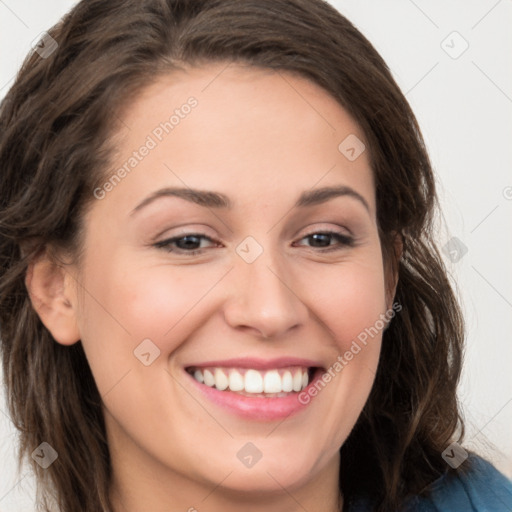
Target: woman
220 287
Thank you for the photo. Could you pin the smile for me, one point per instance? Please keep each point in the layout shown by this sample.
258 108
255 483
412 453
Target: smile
276 382
253 389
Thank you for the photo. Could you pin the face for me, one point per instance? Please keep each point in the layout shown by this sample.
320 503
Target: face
204 316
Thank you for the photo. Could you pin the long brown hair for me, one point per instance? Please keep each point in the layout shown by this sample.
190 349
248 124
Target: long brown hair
56 124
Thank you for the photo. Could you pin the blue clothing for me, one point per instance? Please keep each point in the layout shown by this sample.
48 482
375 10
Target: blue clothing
483 489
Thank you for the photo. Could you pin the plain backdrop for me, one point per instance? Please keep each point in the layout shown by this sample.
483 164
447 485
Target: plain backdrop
453 61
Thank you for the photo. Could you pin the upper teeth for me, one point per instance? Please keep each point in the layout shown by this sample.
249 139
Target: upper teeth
254 381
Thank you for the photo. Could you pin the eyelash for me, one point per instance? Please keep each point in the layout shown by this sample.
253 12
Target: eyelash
344 241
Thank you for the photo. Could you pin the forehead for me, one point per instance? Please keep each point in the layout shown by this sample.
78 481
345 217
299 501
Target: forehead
250 132
230 94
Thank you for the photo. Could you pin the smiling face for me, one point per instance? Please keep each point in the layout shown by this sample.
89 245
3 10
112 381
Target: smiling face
255 285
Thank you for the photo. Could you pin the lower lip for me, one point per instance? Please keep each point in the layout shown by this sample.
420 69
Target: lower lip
256 408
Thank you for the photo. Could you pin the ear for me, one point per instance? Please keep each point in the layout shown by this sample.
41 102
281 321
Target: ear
392 265
52 292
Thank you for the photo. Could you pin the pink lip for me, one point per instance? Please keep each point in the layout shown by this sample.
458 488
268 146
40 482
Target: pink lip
256 408
258 364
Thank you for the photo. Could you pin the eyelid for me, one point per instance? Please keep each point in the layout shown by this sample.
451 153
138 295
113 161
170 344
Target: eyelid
344 241
179 236
347 240
190 232
185 229
330 229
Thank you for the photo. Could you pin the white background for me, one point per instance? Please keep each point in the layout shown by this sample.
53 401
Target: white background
464 106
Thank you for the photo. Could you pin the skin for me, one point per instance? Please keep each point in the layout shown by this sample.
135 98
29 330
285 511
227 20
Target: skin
261 138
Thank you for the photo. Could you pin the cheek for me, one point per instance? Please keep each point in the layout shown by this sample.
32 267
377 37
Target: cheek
156 299
349 299
123 304
351 304
146 301
127 303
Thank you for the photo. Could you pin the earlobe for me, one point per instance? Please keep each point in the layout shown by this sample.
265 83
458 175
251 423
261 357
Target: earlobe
50 289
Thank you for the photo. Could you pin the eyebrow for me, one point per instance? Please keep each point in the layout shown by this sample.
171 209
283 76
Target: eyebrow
211 199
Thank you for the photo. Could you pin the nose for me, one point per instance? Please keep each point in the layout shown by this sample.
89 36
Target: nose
263 298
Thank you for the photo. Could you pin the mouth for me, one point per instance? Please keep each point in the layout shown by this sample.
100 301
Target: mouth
254 389
252 382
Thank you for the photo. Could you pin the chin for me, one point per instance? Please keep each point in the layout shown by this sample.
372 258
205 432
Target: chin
273 471
269 479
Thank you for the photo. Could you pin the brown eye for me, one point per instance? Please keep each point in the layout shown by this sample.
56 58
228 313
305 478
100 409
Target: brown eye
323 239
189 244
